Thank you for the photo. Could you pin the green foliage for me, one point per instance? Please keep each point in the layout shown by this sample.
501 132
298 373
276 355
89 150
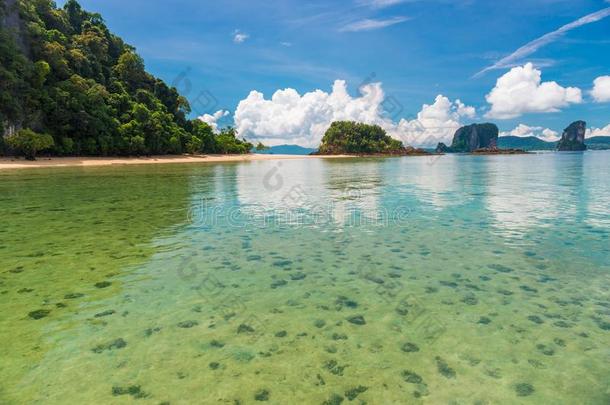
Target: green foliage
65 74
347 137
28 142
261 148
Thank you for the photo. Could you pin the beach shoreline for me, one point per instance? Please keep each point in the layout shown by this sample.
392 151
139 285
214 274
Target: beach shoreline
48 162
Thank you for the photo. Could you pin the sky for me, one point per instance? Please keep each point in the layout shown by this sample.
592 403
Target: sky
281 71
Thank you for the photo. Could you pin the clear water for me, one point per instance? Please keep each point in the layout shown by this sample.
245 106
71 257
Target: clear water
462 280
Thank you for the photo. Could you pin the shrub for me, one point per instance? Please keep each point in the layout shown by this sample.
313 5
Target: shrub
29 143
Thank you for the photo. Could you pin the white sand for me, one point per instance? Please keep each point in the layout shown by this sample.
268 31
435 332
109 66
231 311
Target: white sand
12 163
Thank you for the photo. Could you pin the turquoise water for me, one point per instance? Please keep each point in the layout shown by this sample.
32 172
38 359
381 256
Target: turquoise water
454 279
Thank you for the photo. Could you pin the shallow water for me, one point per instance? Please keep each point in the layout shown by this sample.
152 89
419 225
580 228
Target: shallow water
462 280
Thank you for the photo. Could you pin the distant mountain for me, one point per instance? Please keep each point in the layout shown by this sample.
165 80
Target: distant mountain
532 143
598 143
287 150
525 143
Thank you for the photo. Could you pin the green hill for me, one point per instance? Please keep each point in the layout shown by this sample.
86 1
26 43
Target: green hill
63 73
598 143
532 143
526 143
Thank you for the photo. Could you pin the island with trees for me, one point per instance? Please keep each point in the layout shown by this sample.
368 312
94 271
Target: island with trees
70 87
354 138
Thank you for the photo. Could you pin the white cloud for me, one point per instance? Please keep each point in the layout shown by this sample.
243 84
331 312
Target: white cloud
601 89
546 39
591 132
240 37
523 131
435 123
289 117
522 91
212 120
372 24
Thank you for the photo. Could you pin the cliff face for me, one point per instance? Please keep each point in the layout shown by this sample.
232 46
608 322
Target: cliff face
473 137
9 19
573 138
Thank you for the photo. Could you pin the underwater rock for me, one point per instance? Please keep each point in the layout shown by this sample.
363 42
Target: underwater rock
243 328
298 276
73 296
105 313
278 283
214 365
444 368
353 393
470 299
374 279
562 324
500 268
528 289
115 344
319 323
544 349
282 263
39 314
484 320
524 389
344 301
410 348
411 377
150 331
334 399
262 395
103 284
339 336
357 320
188 324
133 390
281 334
334 367
536 319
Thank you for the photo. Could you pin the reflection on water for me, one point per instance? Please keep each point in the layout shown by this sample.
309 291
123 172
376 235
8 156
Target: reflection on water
486 282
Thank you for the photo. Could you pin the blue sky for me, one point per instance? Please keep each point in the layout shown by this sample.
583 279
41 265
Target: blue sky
416 49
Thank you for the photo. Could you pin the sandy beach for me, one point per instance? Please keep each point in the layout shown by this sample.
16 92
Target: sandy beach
13 163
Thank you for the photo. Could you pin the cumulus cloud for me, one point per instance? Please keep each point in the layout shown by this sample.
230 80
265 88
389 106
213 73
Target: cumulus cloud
212 120
240 37
591 132
435 123
289 117
522 91
601 89
523 131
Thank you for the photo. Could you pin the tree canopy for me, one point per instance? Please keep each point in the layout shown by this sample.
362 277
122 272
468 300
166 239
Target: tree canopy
347 137
63 73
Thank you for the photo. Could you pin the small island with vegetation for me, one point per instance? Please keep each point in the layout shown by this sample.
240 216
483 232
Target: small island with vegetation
478 139
353 138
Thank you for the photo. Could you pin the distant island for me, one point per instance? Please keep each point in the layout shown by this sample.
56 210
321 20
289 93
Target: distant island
353 138
532 143
476 139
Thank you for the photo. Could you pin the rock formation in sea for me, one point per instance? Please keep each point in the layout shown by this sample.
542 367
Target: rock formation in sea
471 138
573 138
